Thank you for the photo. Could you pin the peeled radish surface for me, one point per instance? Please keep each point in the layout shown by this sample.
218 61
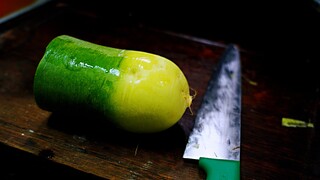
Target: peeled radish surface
137 91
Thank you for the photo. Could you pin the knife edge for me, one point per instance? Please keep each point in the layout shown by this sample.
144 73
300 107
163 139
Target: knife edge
211 137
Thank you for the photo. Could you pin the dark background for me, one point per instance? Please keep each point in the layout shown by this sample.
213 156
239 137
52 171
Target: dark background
285 32
259 25
287 29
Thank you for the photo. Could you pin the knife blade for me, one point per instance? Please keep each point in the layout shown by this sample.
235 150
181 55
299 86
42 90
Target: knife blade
215 137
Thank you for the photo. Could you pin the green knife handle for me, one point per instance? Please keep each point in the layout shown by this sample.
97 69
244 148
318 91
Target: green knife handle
219 169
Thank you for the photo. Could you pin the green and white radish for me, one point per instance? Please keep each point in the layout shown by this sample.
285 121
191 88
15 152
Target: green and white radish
137 91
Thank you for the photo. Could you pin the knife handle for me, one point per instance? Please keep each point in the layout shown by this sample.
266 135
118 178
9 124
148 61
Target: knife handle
218 169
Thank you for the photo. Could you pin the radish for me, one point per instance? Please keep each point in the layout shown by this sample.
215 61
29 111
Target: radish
137 91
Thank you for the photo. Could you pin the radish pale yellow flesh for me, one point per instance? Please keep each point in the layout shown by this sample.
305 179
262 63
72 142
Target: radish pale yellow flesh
137 91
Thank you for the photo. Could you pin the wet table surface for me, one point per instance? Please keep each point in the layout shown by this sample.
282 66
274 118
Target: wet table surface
69 145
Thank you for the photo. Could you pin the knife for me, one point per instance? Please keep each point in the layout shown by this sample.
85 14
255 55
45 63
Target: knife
215 137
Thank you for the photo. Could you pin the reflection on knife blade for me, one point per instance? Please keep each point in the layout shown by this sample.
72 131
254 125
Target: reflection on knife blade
216 133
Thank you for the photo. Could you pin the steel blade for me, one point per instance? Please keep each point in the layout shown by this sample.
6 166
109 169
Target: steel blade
217 129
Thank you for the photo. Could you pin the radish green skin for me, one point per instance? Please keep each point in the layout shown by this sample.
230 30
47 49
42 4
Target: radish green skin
138 91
